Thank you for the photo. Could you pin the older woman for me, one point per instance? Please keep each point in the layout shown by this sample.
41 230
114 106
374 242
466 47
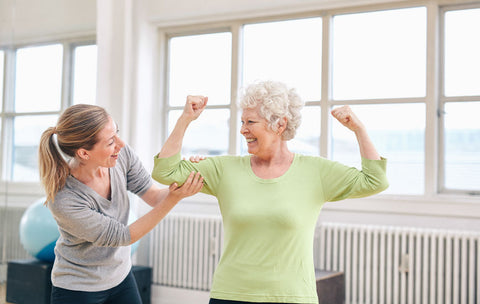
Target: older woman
270 200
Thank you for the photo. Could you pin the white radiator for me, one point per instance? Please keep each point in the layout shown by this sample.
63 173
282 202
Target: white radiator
401 265
10 246
185 250
382 265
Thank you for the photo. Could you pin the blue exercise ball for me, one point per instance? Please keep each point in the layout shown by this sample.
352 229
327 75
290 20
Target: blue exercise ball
39 231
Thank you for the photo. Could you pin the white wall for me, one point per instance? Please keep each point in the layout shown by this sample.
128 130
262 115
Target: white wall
29 20
186 11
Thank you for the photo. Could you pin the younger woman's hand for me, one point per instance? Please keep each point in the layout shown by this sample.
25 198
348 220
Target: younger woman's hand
192 185
196 158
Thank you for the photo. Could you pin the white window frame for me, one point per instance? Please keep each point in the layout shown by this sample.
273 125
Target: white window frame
7 113
432 100
450 99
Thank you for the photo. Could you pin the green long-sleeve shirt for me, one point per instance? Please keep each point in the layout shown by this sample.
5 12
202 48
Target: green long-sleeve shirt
269 224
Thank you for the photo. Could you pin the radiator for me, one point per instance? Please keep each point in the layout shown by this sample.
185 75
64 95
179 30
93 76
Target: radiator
401 265
10 246
382 265
185 250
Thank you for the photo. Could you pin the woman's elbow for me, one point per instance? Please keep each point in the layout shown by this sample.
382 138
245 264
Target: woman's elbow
375 184
382 185
161 178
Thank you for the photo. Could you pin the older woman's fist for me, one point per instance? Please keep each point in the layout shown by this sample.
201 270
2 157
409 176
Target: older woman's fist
347 118
194 106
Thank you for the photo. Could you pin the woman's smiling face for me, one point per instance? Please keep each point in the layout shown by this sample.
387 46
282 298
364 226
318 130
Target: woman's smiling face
105 151
257 132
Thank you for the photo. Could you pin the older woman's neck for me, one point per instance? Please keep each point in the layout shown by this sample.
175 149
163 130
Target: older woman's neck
274 156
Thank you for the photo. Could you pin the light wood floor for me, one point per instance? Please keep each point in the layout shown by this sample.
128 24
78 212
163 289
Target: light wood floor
3 293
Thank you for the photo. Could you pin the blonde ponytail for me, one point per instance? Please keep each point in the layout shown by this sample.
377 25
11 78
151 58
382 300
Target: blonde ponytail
52 166
77 128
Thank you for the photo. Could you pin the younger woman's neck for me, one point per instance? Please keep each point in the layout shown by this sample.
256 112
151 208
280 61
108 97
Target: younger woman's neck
86 173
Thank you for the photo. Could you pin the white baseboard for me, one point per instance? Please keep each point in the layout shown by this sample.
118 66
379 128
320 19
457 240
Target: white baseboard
170 295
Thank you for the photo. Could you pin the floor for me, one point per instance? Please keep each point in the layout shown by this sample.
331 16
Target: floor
2 293
160 295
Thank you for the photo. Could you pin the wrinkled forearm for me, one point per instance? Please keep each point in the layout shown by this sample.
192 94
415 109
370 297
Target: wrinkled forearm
365 144
173 145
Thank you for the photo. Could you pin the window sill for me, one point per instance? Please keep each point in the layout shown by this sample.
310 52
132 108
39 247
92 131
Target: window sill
451 206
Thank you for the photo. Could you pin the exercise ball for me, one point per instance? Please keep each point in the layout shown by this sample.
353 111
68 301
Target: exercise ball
39 231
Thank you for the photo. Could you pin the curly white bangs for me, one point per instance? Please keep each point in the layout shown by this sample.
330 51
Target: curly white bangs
275 101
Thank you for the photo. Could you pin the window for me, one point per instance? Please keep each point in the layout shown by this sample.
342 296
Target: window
381 56
401 143
375 61
461 101
36 98
462 145
38 81
38 84
287 51
462 47
291 52
201 65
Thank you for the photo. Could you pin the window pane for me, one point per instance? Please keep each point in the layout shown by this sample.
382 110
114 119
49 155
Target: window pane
379 54
286 51
462 46
462 146
38 83
200 65
207 135
2 65
398 132
27 132
85 74
307 139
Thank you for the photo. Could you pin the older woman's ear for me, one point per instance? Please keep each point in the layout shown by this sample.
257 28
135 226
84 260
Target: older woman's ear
282 125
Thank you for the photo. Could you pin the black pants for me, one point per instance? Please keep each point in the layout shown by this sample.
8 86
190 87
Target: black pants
125 293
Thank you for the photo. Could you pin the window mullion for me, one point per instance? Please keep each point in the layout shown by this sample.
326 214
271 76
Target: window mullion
9 82
67 76
237 38
432 132
326 86
7 121
164 82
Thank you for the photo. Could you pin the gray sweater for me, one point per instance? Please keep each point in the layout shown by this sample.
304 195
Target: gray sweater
92 252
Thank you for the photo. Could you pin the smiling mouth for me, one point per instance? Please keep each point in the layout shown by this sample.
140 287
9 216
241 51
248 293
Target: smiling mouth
249 140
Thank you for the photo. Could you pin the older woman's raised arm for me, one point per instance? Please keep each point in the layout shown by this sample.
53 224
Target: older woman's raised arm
193 108
347 118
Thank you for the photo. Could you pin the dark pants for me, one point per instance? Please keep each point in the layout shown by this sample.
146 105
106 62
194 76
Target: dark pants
125 293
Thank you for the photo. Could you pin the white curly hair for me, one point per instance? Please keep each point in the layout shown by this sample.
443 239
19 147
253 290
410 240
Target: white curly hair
275 101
